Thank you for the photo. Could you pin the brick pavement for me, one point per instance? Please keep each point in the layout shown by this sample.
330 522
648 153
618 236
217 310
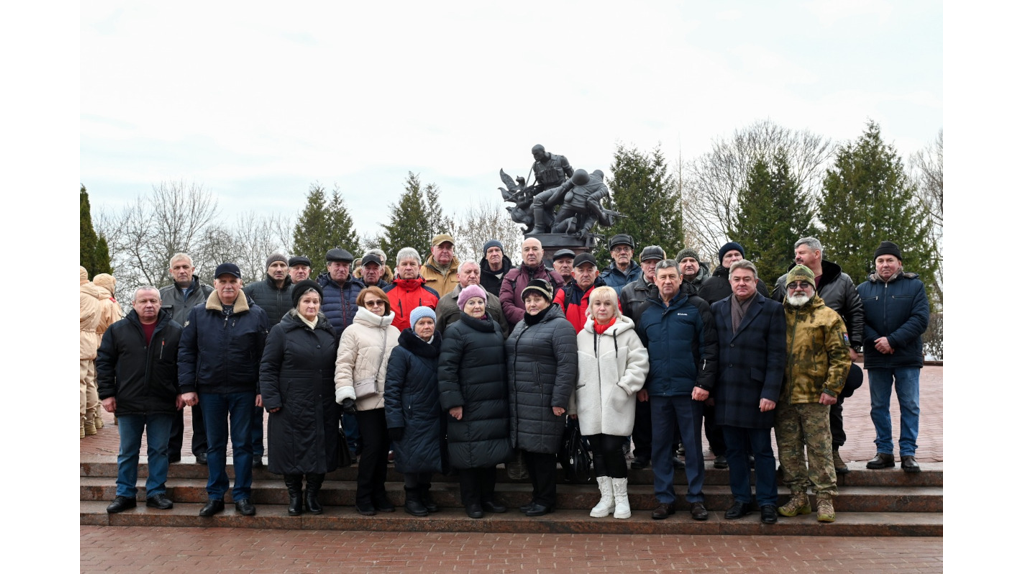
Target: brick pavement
119 549
860 432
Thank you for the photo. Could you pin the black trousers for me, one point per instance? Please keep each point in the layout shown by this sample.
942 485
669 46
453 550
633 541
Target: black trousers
713 432
609 460
178 432
476 485
854 380
373 462
543 474
642 430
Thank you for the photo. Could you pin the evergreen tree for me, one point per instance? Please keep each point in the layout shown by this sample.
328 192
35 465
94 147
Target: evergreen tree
323 226
644 192
867 198
438 222
92 254
409 224
772 213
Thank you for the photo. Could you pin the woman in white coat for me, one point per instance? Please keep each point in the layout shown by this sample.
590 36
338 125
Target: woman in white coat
613 365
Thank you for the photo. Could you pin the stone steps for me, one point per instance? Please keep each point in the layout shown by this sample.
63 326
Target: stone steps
561 521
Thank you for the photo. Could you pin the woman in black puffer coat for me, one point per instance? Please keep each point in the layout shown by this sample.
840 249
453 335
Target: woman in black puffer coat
471 378
542 365
413 410
297 386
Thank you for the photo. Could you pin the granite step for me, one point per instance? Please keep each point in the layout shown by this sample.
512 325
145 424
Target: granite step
575 497
562 521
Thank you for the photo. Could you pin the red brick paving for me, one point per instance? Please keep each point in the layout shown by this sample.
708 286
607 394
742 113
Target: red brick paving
117 549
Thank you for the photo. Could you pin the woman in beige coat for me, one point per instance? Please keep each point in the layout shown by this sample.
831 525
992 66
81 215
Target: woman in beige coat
359 377
613 365
89 317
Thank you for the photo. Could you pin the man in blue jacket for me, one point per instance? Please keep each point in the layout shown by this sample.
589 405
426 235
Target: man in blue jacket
623 270
219 366
680 335
895 317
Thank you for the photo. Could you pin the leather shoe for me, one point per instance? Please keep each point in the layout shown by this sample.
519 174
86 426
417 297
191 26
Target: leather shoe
159 501
909 464
538 510
244 507
526 507
474 511
640 462
769 515
201 458
663 511
365 508
881 460
720 462
120 504
491 506
212 507
698 512
739 510
173 458
257 462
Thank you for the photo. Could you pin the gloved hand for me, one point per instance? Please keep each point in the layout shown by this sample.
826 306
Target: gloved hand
349 406
396 433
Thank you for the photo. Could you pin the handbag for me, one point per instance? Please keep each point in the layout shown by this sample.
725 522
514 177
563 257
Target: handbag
573 455
344 454
368 386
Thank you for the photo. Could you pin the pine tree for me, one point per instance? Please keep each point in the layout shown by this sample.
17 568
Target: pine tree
323 226
409 224
772 213
868 198
92 254
437 221
644 192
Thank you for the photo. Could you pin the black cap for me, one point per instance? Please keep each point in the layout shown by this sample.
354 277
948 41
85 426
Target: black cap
563 253
227 269
302 287
652 252
299 260
889 248
584 258
621 239
339 254
372 258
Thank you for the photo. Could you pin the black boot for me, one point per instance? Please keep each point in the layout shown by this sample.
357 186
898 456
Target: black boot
427 499
313 484
413 505
294 484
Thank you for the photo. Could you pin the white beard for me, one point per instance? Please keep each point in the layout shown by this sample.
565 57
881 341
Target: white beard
798 300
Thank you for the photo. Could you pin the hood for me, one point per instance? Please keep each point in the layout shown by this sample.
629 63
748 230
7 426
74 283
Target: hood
621 326
874 278
409 284
83 275
105 281
366 318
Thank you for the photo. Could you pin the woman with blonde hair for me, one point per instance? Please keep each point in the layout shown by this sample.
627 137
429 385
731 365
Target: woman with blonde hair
613 365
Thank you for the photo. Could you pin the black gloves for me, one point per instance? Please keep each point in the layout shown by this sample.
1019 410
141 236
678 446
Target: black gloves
349 406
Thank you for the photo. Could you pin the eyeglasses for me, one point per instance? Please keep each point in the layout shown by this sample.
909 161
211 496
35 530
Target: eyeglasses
799 285
374 303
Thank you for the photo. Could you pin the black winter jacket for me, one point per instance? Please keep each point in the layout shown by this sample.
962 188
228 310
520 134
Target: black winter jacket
275 302
143 379
634 296
297 376
839 293
221 353
411 402
489 279
471 375
542 368
897 310
717 287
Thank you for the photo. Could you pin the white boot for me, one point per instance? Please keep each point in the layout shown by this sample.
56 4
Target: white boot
621 498
607 503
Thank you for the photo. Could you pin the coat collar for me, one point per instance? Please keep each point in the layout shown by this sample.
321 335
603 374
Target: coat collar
241 303
756 306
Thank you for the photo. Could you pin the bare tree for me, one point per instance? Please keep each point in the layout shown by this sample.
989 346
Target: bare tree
482 222
254 239
926 169
714 179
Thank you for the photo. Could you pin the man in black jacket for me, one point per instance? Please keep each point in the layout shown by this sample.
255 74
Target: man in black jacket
137 380
839 293
218 366
178 298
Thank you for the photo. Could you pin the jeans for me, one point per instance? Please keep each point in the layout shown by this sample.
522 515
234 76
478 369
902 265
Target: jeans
158 430
218 409
907 382
667 415
759 441
257 432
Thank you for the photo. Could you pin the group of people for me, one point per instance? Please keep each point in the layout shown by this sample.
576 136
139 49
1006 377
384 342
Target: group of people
465 366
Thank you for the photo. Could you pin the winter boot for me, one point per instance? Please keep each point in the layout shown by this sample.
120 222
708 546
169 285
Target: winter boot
97 420
90 426
313 484
606 505
294 484
81 429
826 512
798 504
413 505
839 463
427 499
621 498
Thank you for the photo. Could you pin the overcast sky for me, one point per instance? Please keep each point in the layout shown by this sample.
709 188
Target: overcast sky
255 101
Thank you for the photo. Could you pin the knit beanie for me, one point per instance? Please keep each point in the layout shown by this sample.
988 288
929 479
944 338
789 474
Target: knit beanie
276 257
420 313
886 248
494 243
729 247
688 252
468 293
303 287
800 273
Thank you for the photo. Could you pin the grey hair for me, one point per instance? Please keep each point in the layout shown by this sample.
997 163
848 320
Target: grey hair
378 253
665 264
811 242
408 253
135 295
742 264
466 262
178 256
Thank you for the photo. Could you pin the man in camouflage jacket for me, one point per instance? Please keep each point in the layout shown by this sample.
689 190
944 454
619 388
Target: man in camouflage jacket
817 362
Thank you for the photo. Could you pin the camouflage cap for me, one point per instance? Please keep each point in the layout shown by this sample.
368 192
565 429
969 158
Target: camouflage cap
800 273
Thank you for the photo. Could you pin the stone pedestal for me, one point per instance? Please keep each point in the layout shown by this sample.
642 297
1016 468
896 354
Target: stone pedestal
553 242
